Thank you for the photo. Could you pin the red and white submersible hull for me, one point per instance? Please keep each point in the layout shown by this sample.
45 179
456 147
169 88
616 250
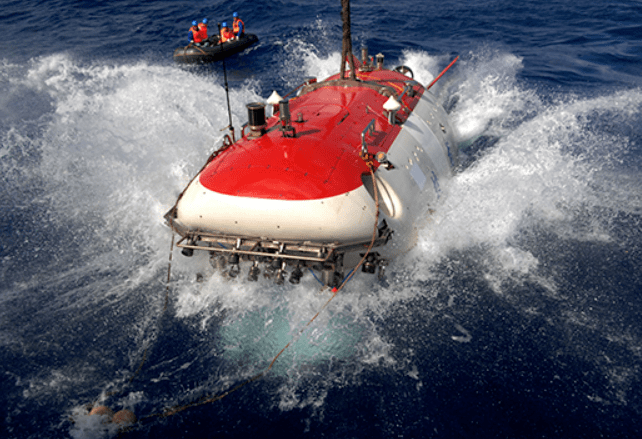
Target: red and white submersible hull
296 193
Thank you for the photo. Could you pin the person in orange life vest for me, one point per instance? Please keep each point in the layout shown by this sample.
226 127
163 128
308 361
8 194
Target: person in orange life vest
194 34
238 27
226 33
202 29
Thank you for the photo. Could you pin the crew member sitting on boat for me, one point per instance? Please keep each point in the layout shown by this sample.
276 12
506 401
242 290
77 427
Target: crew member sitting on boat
194 33
198 32
238 27
202 29
226 33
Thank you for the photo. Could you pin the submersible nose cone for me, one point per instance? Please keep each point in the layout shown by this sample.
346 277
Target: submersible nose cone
124 417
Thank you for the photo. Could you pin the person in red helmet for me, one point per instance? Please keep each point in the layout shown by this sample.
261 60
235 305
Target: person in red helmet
238 27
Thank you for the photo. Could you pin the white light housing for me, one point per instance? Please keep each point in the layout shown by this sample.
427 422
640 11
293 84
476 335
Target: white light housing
274 98
391 105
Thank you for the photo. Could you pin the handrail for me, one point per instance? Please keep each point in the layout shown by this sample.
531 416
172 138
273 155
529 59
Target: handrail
407 88
369 129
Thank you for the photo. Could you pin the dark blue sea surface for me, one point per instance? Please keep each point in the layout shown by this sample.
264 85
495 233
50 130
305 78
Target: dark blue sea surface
518 314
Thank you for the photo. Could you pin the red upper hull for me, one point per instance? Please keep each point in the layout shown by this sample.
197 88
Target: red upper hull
323 159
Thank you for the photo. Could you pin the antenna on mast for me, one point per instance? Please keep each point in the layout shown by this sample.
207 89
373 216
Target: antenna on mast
346 45
227 91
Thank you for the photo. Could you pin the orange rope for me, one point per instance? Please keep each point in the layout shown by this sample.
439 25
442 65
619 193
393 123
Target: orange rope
192 45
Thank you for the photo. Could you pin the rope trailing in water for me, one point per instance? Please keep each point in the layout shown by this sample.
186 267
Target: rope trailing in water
144 359
169 274
169 266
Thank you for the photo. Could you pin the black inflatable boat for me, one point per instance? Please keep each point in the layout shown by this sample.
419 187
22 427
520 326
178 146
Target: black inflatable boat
211 50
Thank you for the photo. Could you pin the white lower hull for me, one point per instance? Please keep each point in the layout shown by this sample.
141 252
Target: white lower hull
347 217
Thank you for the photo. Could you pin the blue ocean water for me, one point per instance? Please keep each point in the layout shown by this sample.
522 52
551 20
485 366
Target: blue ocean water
516 315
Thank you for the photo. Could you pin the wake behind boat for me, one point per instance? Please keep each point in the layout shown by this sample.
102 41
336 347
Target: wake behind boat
211 50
